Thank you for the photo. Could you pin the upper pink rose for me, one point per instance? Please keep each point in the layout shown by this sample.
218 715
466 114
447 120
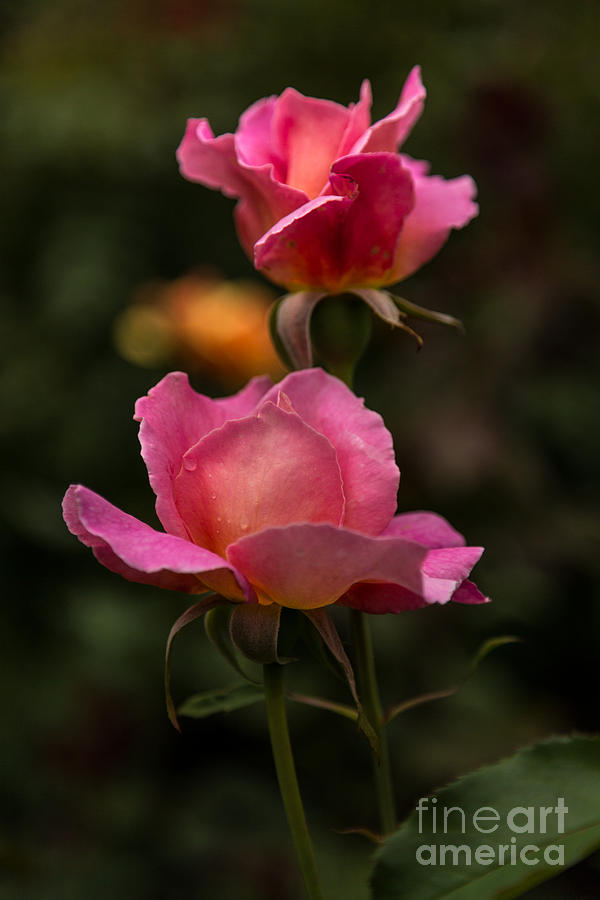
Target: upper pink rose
325 201
279 494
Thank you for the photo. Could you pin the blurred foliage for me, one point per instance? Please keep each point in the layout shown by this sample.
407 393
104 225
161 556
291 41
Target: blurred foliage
497 431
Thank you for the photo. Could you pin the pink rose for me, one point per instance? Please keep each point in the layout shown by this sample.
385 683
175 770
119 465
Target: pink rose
325 201
279 494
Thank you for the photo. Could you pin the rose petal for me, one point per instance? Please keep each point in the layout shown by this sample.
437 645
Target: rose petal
265 470
173 418
378 599
469 593
347 238
139 553
364 447
299 251
390 132
308 566
425 528
309 133
254 139
444 574
445 569
374 221
213 161
358 121
440 205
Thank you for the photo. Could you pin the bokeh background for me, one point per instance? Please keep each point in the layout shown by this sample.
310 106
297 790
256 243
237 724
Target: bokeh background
497 430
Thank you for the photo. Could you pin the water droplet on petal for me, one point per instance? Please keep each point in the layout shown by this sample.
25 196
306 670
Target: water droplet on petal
189 463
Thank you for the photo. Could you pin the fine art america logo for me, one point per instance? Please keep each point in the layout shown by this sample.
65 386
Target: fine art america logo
518 821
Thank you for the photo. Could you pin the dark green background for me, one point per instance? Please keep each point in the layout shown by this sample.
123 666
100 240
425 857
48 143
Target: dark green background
497 430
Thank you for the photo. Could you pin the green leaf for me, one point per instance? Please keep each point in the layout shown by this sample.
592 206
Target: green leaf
223 699
557 773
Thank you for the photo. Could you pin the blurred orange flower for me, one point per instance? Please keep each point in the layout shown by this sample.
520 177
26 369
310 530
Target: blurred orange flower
215 326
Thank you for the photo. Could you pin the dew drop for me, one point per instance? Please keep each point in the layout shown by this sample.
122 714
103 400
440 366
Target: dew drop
189 463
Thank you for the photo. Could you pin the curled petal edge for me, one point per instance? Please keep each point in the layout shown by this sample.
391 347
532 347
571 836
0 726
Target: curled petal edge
138 552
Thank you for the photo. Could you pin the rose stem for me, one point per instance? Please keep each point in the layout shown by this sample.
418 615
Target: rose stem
369 689
286 775
367 678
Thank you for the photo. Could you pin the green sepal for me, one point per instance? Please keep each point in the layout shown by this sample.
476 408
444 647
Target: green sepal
216 625
277 342
207 602
254 630
323 622
315 646
429 315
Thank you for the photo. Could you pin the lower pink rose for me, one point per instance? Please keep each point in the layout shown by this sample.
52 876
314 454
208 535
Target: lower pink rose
279 494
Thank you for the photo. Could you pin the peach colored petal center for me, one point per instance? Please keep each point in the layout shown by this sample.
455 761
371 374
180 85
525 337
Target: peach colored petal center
310 132
265 470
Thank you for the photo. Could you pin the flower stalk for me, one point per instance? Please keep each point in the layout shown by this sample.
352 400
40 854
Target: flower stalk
370 697
369 691
286 776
